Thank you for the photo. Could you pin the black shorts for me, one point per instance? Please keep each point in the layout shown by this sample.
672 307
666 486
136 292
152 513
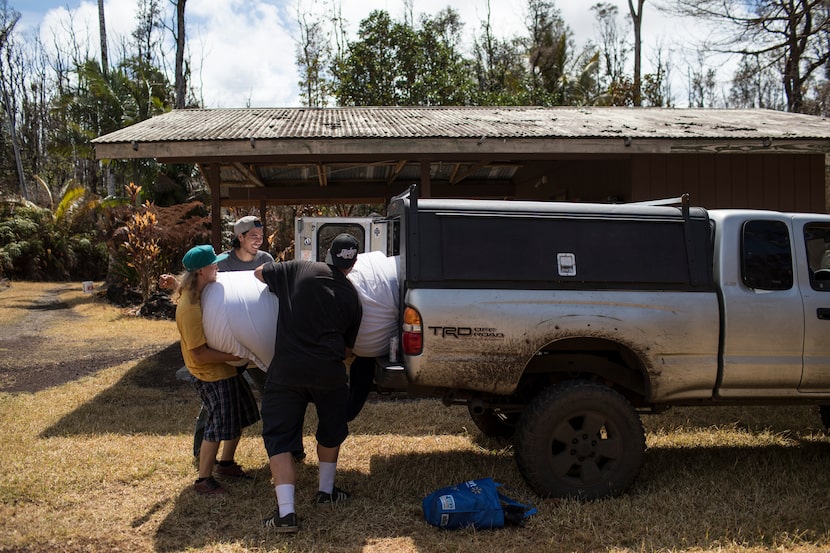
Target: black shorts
283 414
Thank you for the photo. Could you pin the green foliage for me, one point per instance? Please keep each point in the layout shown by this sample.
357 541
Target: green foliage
500 72
36 245
548 48
395 64
101 103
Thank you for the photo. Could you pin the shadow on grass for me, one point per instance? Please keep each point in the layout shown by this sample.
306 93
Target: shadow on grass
147 399
705 497
386 504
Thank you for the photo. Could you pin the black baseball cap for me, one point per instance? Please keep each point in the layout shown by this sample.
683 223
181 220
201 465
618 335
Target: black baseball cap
343 251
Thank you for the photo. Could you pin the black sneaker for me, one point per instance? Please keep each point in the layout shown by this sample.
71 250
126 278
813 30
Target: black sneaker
283 525
336 497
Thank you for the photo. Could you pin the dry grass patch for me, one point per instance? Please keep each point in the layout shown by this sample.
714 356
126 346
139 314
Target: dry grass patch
102 462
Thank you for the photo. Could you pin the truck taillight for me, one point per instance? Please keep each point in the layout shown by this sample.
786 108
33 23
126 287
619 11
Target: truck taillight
412 338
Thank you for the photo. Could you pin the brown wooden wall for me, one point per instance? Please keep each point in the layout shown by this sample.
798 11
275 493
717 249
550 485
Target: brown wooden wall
784 182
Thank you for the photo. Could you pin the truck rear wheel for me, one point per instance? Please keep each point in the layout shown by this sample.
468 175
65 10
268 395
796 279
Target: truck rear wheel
495 424
579 439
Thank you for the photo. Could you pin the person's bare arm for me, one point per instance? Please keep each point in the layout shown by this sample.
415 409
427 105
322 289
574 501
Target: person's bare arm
258 273
168 282
206 354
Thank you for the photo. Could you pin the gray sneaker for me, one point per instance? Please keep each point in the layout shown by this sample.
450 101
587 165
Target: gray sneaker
283 525
336 497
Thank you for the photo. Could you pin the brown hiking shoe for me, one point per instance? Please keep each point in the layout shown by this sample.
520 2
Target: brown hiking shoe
230 470
209 486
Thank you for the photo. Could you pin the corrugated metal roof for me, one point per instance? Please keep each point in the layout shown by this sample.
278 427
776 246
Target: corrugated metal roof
469 122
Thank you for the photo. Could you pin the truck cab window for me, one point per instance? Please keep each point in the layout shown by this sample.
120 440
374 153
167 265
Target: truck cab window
817 242
329 231
767 262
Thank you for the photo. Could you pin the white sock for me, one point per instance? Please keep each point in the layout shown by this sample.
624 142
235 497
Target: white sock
285 498
327 472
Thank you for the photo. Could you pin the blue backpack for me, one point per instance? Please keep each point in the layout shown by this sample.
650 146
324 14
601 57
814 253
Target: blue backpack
476 503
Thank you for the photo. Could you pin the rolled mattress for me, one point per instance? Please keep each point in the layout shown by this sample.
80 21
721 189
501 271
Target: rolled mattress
239 314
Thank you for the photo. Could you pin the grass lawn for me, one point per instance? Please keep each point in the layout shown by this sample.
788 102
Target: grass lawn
97 457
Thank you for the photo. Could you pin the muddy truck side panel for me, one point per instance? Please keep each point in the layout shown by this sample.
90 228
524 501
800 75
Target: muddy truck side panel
669 334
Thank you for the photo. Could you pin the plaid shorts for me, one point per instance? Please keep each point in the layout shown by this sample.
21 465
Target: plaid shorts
230 405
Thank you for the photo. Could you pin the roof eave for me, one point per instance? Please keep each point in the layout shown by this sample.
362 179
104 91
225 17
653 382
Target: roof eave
204 150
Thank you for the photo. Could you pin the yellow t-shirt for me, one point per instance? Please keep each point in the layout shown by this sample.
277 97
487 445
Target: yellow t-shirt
189 322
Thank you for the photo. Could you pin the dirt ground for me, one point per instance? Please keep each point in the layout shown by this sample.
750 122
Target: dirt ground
22 342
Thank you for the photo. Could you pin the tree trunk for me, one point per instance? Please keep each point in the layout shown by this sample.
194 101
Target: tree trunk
102 27
181 88
5 81
637 19
793 82
15 145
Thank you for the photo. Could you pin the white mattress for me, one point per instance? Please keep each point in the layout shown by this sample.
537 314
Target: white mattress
239 314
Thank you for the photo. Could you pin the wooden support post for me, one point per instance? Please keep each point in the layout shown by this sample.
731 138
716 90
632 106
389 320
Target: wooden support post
426 185
263 206
212 176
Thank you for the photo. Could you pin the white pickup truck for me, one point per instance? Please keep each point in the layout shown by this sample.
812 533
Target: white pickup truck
559 323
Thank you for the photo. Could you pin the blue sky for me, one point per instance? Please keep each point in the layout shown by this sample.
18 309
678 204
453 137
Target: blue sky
242 51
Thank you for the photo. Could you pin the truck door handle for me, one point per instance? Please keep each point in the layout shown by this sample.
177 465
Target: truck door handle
823 313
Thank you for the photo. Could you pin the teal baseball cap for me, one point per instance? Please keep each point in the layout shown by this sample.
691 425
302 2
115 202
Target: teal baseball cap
201 256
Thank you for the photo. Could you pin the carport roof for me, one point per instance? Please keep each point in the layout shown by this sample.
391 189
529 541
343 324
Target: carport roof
235 124
298 155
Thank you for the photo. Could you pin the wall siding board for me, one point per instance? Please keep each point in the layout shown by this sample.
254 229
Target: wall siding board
707 187
786 183
658 177
754 183
640 166
674 177
722 181
690 177
818 183
802 186
740 180
769 182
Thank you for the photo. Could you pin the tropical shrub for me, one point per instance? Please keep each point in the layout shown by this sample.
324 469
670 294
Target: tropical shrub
38 245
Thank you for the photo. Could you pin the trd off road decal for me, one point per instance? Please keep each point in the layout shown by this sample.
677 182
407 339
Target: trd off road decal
461 332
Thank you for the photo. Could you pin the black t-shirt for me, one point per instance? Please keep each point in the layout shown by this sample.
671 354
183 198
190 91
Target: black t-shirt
319 316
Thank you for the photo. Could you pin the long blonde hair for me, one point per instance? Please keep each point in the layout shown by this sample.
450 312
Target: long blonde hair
186 285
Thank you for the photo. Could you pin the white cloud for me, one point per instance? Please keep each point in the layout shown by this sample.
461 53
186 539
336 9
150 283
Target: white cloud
246 53
59 25
242 52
